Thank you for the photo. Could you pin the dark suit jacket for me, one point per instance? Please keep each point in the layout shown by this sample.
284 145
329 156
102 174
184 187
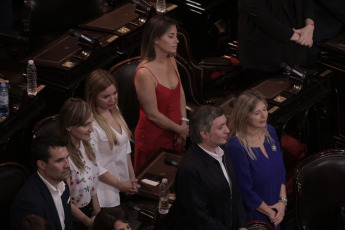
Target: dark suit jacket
203 196
264 32
35 198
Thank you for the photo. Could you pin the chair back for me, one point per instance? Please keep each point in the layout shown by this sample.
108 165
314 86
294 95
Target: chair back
12 177
189 81
128 103
259 225
319 186
46 126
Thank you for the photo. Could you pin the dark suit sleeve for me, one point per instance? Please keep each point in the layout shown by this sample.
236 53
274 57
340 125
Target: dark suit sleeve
262 17
239 211
308 9
20 209
191 192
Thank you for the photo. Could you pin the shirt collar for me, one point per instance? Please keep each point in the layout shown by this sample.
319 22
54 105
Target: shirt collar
218 155
59 188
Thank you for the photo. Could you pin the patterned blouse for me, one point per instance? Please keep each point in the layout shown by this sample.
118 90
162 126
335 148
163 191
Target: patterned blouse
83 184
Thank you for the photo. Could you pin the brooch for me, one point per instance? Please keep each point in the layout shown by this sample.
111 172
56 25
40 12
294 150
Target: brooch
274 148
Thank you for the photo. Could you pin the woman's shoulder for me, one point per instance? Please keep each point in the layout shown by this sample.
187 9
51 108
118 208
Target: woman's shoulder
144 73
270 129
96 127
233 142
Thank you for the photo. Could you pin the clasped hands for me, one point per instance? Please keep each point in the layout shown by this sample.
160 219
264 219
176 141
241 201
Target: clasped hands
279 213
130 187
183 133
303 36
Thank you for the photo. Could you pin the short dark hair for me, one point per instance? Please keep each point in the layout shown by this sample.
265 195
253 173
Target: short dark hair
41 145
201 119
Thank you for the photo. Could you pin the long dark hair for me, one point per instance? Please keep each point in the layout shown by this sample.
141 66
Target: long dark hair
154 29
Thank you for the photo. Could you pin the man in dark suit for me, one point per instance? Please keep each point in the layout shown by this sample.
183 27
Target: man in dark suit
274 31
207 195
46 192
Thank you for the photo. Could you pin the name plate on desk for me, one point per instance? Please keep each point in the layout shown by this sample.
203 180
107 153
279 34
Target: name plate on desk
63 62
117 21
150 175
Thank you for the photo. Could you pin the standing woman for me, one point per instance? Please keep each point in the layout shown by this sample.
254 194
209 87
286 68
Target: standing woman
255 151
162 121
75 126
111 139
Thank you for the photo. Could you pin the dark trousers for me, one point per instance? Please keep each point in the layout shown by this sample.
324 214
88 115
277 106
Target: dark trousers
87 210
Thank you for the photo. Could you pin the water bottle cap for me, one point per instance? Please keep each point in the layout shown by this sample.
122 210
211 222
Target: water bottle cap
3 85
31 62
164 180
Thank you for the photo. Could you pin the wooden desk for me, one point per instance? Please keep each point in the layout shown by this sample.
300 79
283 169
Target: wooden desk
23 111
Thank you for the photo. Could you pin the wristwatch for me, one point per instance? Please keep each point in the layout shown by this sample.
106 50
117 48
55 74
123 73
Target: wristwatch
284 200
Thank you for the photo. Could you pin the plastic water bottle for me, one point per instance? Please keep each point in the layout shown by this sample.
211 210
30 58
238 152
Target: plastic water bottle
31 74
4 108
163 207
161 6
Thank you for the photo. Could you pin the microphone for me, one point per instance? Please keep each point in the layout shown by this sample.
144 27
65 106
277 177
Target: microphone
170 162
81 36
293 71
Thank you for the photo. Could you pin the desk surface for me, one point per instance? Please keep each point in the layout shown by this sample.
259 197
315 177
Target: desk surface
22 107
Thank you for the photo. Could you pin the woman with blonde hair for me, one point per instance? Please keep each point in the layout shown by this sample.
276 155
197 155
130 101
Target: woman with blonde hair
75 126
111 139
255 151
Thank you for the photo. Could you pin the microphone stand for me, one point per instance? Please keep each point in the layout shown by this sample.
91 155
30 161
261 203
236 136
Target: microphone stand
88 48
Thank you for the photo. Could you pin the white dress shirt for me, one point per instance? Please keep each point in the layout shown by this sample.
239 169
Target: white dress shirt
56 194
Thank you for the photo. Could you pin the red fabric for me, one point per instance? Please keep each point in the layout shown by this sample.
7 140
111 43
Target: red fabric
216 75
293 151
147 136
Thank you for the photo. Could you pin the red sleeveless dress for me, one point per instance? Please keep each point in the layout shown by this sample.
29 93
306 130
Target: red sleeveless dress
148 137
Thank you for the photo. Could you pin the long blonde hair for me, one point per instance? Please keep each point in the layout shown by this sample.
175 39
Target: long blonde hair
75 112
98 81
244 105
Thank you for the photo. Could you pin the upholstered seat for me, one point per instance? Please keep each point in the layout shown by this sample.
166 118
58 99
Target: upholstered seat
206 69
46 126
319 184
259 225
128 103
12 177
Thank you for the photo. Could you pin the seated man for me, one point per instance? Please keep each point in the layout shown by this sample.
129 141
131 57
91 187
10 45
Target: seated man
46 192
207 195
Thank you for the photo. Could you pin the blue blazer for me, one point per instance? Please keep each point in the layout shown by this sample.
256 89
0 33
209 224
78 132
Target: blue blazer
35 198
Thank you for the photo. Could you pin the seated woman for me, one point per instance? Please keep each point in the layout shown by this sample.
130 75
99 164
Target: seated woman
162 121
75 125
255 151
111 219
111 139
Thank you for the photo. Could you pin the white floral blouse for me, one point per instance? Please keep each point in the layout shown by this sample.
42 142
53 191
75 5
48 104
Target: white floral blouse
83 184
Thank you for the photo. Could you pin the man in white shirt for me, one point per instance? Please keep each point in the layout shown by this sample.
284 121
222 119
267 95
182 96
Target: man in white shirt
46 192
207 195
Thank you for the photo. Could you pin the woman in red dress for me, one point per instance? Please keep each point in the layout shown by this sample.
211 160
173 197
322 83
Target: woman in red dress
162 122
